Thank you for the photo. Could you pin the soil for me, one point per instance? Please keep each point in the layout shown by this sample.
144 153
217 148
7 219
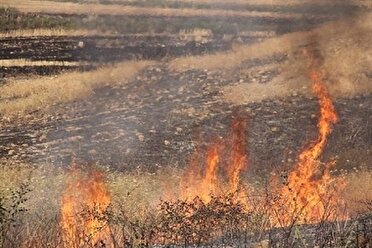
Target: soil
161 116
157 118
97 50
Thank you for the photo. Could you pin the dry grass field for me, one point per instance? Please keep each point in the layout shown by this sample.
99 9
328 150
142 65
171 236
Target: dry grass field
101 9
345 77
185 123
35 93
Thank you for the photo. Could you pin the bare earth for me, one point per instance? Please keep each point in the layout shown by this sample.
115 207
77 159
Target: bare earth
152 119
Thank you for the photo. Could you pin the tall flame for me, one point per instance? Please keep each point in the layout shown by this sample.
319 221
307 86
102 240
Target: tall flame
202 182
83 202
238 160
308 192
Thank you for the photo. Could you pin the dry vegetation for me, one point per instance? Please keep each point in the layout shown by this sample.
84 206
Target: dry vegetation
25 62
137 217
30 197
287 43
38 93
50 32
347 60
102 9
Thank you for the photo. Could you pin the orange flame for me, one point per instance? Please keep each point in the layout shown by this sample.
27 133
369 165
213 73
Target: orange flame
238 158
308 191
202 183
83 203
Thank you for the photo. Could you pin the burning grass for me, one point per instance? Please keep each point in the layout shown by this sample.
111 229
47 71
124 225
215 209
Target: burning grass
136 215
38 93
110 209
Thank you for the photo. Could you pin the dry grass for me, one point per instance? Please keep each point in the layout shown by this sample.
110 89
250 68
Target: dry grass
347 60
141 189
102 9
26 62
358 190
287 43
239 54
38 93
135 203
50 32
12 175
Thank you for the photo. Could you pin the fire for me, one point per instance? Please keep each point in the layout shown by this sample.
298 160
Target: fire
308 192
204 182
238 158
209 184
84 202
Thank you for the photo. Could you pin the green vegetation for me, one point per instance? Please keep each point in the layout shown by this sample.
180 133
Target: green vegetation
11 19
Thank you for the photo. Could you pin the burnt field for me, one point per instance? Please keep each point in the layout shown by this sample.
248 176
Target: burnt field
144 36
185 123
102 127
96 50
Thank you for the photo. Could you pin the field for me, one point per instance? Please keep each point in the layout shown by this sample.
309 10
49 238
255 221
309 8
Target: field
182 123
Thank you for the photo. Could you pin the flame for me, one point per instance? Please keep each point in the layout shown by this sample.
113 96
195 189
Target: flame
238 157
82 203
209 184
308 192
205 182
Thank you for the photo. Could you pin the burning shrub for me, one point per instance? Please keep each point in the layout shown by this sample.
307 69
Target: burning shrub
83 211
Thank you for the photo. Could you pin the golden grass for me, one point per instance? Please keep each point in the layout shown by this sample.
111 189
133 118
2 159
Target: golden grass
12 175
38 93
345 46
358 190
239 54
26 62
112 9
130 191
270 47
50 32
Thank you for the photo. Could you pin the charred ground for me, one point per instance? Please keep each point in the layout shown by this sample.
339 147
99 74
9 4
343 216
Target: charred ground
153 120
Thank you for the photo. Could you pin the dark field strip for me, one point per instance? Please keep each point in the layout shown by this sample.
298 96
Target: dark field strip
218 25
101 49
306 8
11 19
40 70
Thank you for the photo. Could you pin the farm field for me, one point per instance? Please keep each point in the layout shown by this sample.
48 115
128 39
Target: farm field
182 123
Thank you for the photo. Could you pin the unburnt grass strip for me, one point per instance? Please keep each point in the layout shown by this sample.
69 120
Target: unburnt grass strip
35 93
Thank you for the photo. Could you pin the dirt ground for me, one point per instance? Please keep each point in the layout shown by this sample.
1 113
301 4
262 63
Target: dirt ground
155 119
